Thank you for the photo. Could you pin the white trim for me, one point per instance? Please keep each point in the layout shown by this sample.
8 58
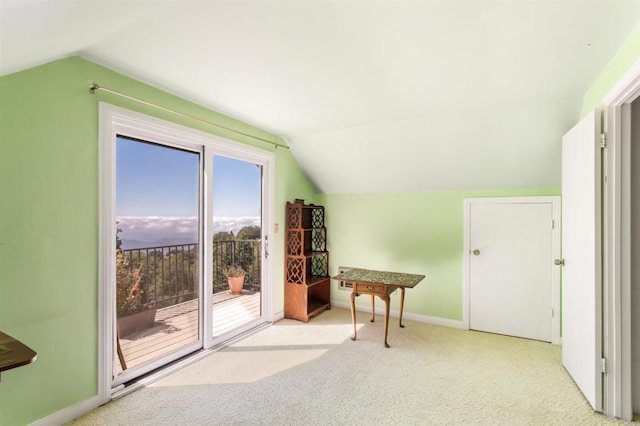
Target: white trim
625 90
554 200
269 226
405 315
206 234
622 232
617 226
466 226
70 413
613 302
106 245
113 121
277 316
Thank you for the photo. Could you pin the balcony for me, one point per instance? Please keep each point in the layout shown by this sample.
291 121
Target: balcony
167 278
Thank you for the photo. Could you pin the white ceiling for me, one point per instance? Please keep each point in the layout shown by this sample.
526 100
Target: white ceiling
383 96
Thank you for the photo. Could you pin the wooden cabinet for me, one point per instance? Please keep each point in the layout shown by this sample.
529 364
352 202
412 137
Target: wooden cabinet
307 290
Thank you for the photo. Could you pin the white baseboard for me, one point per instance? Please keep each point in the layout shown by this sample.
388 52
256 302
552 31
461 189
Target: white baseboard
406 315
71 412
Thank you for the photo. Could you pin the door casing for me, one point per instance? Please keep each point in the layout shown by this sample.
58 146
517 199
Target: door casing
617 244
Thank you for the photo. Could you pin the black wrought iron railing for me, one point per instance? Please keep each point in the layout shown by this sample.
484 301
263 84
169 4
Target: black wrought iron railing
169 274
245 253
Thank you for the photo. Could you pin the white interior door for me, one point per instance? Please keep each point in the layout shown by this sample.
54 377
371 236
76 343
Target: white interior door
581 250
511 268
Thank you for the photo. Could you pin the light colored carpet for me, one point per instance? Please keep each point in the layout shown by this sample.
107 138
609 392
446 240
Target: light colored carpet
294 373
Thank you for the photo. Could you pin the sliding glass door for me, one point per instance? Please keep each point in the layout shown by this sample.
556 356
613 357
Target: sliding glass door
179 209
237 247
157 256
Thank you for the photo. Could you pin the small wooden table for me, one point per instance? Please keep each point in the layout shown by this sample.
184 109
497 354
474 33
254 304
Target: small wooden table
381 284
14 353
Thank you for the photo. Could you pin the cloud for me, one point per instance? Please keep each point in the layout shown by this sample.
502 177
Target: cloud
156 228
228 224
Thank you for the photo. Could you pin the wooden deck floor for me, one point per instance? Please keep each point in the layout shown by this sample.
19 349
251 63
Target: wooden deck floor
177 326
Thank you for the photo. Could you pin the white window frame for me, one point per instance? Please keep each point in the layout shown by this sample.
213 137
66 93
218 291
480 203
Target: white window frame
114 121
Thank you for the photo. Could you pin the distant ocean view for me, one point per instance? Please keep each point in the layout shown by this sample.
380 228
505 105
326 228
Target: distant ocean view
153 231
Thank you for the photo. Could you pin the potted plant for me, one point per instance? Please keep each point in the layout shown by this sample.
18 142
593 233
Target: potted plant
235 277
132 314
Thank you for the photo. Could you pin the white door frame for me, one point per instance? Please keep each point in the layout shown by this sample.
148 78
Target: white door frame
112 120
264 159
617 244
555 282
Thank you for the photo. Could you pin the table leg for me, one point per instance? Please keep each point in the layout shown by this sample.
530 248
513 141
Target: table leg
373 308
353 313
386 321
401 304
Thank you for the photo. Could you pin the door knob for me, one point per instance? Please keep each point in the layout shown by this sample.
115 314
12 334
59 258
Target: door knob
476 252
559 262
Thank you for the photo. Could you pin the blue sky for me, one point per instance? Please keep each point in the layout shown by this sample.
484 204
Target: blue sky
157 192
237 187
155 180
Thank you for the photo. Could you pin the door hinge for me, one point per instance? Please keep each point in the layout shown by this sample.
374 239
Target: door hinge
553 224
603 140
604 366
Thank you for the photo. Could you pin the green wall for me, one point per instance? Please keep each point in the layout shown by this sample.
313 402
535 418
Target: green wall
416 232
49 223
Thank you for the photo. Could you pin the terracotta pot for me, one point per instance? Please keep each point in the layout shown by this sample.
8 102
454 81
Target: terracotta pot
235 284
139 321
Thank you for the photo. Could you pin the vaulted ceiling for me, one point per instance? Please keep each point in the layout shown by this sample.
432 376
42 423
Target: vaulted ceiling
383 96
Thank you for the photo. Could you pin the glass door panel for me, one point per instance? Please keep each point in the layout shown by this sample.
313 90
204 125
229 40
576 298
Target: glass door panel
158 252
236 246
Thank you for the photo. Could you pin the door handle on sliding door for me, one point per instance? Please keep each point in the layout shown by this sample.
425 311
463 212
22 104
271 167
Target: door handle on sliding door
266 247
